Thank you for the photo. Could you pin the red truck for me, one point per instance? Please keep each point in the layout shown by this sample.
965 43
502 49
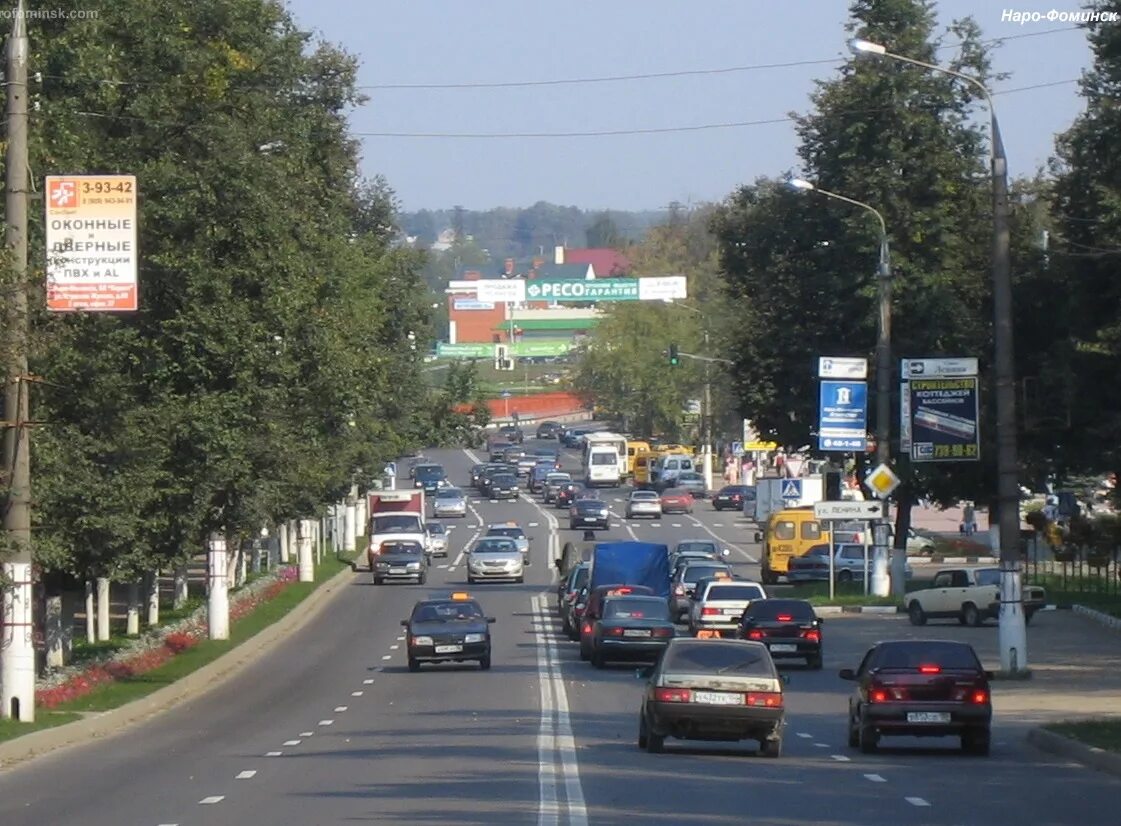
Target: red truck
394 514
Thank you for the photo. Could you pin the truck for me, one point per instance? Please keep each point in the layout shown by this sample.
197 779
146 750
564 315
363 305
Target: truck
773 495
394 514
631 563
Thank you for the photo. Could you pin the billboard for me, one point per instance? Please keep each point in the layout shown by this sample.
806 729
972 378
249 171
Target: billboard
843 417
91 243
945 419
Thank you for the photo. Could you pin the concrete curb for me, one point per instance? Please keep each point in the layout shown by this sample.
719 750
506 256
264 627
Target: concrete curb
114 722
953 560
1092 756
1106 620
835 610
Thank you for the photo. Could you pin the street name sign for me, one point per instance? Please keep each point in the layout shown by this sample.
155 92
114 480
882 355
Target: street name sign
845 510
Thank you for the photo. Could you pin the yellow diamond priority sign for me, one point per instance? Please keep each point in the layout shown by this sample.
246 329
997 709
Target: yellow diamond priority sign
882 481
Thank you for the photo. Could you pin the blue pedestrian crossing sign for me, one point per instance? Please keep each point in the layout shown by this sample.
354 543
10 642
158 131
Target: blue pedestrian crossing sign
792 489
390 469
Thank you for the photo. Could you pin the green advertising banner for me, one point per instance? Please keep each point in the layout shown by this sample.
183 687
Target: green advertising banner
549 347
465 351
605 289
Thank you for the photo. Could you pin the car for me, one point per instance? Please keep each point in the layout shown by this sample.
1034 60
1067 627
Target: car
589 514
848 564
676 500
724 690
437 539
488 471
593 609
855 533
548 430
571 438
496 448
525 464
553 482
537 477
732 497
495 557
567 493
547 454
685 578
920 688
970 595
631 628
413 462
502 485
693 482
431 477
571 607
643 503
399 559
698 548
451 629
449 502
718 603
788 627
511 433
511 530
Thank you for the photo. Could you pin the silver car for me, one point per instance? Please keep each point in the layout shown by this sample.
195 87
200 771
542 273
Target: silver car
495 557
437 541
512 531
644 503
449 502
693 482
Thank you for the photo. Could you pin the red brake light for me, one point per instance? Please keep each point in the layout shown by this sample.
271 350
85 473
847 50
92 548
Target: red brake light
755 634
979 697
615 632
766 699
708 612
587 628
877 695
930 669
663 632
615 592
673 695
784 617
813 635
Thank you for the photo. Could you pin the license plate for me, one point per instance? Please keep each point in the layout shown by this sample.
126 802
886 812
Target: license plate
733 612
783 648
635 632
928 717
448 649
717 698
398 571
589 518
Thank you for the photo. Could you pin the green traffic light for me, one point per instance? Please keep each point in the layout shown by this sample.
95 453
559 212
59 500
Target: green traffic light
674 359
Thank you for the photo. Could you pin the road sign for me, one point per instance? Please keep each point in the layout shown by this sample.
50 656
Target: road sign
752 446
737 449
845 510
829 367
935 368
945 416
506 394
792 489
882 481
843 417
91 243
390 469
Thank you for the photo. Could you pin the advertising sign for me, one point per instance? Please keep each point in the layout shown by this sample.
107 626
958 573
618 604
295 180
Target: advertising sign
842 368
464 351
661 288
605 289
945 419
499 290
472 350
472 304
91 243
843 417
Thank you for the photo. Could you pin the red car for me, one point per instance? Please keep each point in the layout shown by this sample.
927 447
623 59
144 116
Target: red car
677 499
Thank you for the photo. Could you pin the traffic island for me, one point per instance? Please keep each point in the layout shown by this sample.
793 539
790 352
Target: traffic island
1093 743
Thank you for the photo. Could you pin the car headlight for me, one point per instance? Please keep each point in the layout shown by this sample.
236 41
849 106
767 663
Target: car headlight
475 638
381 566
422 641
413 566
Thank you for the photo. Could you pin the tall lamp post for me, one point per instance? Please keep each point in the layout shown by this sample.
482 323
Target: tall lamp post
706 408
883 398
1013 631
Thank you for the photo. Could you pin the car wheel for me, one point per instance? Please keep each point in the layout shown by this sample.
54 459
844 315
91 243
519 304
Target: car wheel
1027 617
814 661
597 659
421 579
573 634
869 738
520 580
854 733
971 616
641 731
378 581
976 743
484 663
655 743
585 653
844 576
771 748
414 665
916 613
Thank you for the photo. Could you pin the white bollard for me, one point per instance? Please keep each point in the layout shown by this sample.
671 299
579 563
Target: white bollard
218 606
17 665
350 538
304 551
282 535
91 613
132 623
103 608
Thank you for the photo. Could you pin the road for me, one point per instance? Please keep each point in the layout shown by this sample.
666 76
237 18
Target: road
333 728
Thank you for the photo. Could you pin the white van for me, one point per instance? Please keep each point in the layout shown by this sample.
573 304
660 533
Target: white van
602 467
667 468
606 439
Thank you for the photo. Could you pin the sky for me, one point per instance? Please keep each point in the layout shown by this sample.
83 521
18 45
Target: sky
440 43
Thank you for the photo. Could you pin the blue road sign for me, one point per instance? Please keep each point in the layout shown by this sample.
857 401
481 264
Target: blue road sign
390 469
506 394
792 489
843 417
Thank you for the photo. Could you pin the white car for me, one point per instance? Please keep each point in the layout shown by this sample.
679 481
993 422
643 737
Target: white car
644 503
495 557
437 544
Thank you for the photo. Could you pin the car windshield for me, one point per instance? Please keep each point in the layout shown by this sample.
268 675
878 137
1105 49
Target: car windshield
449 493
558 478
694 572
988 576
447 612
394 522
912 654
702 546
589 504
772 609
636 608
429 473
435 528
734 592
512 533
503 479
401 548
690 477
713 657
644 496
495 546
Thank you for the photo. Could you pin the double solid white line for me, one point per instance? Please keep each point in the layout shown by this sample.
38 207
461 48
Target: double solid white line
558 769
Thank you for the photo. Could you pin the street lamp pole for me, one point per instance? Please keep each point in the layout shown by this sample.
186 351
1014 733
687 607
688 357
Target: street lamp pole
880 585
1013 630
706 409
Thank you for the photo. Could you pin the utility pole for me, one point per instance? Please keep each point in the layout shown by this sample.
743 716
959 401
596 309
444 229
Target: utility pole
17 655
706 461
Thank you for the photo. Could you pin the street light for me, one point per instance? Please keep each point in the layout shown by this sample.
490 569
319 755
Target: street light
706 412
1013 631
883 399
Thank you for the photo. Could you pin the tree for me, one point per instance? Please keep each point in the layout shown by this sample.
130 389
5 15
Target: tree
603 233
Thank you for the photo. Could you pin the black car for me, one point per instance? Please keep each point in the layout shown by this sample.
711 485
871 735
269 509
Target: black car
512 433
399 559
548 430
430 477
589 514
593 609
788 627
476 472
452 629
502 486
537 476
726 690
732 497
920 688
631 628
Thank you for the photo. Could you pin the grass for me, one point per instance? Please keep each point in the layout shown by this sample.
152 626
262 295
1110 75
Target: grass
1104 734
817 593
120 692
1092 591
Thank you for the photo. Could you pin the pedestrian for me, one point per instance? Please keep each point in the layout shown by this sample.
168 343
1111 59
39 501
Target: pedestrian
968 520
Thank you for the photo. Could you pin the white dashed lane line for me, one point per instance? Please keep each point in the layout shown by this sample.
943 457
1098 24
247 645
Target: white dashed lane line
307 733
394 647
214 798
875 778
917 801
840 758
273 753
326 722
246 775
805 735
368 681
360 693
340 709
821 745
387 657
292 742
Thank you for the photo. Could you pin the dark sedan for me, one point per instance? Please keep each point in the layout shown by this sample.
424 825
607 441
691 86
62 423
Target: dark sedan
589 514
430 477
726 690
593 609
631 628
511 433
920 688
732 497
399 559
502 486
548 430
454 629
788 627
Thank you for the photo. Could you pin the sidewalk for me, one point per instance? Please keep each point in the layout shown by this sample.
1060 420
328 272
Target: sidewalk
933 520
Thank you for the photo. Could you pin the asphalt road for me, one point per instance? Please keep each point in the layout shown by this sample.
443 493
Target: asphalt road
332 728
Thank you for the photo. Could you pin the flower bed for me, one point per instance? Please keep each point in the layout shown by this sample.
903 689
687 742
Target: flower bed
157 646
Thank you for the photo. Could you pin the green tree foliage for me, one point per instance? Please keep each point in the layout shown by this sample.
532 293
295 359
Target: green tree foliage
603 233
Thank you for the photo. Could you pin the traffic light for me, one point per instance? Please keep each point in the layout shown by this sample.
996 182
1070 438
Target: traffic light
674 358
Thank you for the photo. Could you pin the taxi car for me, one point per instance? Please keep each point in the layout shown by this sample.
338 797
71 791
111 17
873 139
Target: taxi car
448 629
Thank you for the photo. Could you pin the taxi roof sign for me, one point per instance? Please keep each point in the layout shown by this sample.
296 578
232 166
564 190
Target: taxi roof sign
461 596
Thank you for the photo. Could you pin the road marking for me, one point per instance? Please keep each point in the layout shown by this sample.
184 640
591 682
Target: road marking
291 742
246 775
380 667
400 639
916 801
840 758
387 657
364 682
555 742
718 524
821 745
875 778
442 567
326 722
360 693
532 524
677 525
340 709
394 647
215 798
273 753
307 733
804 734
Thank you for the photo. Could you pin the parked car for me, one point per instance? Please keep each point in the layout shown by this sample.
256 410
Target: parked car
848 564
676 500
969 595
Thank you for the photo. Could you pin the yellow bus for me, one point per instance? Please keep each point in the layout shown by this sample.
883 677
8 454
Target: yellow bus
633 448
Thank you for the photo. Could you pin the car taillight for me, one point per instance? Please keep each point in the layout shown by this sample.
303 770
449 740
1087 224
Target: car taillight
663 632
587 629
784 617
709 612
615 632
979 696
755 634
813 635
673 695
578 609
767 699
930 669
